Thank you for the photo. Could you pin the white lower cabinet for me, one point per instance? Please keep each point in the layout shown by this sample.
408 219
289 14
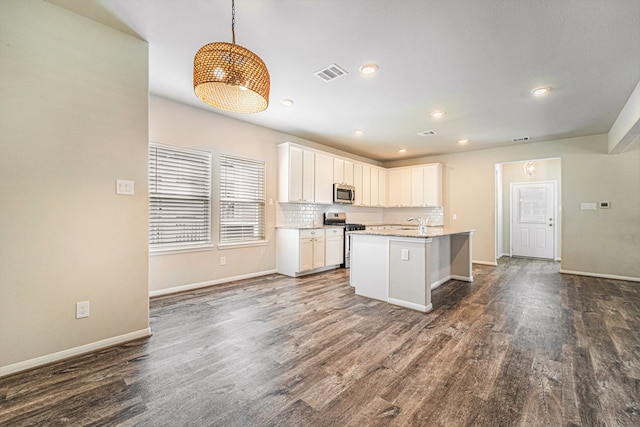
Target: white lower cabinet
300 251
334 246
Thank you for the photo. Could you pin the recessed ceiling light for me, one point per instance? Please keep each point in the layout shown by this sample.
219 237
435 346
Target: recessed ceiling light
402 150
287 102
368 69
437 114
539 91
463 141
358 132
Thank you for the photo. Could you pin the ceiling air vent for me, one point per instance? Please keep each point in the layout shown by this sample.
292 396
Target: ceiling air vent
427 133
330 73
520 139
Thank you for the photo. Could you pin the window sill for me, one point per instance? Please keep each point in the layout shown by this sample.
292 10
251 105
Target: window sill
177 250
242 244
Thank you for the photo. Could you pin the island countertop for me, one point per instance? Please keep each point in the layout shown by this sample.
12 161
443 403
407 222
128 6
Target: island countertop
431 232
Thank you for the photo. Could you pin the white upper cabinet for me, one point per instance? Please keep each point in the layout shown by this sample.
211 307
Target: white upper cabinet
366 185
338 171
304 176
399 187
432 184
323 178
426 185
382 188
343 171
357 182
348 172
417 186
307 176
289 173
375 185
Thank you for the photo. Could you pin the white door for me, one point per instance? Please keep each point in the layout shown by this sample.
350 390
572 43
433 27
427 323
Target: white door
533 220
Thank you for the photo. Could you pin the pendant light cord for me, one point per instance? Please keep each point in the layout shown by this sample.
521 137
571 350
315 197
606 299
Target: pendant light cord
233 21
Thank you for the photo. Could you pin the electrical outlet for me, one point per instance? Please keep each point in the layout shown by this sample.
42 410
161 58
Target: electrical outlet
223 260
82 309
124 186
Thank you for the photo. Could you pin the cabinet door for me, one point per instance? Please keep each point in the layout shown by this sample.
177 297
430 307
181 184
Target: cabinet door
366 185
394 188
348 172
375 201
334 247
357 182
433 185
405 187
323 179
306 254
295 174
308 176
382 188
417 186
318 252
338 171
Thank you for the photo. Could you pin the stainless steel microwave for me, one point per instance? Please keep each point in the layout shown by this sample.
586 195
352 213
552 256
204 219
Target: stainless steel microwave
343 193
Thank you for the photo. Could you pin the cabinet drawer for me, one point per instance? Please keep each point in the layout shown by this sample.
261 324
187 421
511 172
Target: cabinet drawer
314 232
334 232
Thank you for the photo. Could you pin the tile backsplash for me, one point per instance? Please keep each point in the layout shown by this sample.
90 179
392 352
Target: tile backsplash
304 215
299 214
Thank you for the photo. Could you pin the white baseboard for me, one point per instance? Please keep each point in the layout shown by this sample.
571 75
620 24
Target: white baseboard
411 305
436 285
462 278
603 276
493 264
76 351
192 286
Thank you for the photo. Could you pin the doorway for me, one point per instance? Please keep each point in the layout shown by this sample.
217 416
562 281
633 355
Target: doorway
533 219
535 171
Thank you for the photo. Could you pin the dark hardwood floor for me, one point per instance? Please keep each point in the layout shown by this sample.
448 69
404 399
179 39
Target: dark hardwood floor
521 346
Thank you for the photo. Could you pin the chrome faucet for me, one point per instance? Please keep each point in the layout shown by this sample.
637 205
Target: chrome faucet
422 223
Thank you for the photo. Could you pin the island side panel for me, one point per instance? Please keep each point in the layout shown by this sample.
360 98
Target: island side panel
369 273
409 270
440 261
461 254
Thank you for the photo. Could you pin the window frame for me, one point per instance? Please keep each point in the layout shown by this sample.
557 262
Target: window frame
186 195
242 198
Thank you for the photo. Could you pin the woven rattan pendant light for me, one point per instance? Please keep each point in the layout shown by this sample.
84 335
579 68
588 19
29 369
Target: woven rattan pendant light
231 77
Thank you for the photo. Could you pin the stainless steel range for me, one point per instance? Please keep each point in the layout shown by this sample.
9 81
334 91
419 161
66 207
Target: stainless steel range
340 218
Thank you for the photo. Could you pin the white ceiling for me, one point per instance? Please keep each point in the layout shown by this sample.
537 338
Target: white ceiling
476 60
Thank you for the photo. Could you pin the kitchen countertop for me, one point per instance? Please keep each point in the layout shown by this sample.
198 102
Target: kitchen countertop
309 227
431 232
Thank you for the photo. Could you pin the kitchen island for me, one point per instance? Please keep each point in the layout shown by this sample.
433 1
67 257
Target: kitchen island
402 267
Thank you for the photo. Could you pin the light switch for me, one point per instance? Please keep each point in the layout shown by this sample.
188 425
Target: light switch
605 205
588 206
124 187
405 254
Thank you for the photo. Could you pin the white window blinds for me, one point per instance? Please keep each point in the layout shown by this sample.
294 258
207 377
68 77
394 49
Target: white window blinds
242 196
179 197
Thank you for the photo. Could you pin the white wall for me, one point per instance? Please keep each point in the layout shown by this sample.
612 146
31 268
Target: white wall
178 124
73 119
603 242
